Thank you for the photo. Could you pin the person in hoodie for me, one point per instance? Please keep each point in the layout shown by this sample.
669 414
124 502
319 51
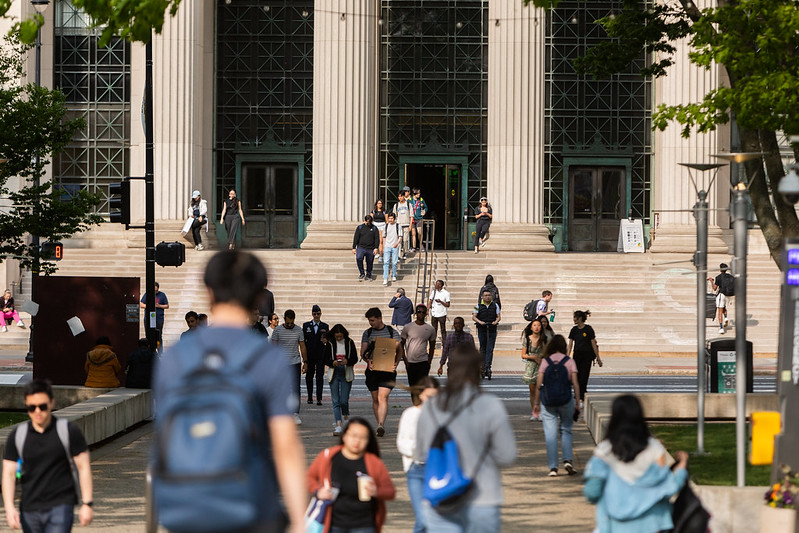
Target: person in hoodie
102 366
628 478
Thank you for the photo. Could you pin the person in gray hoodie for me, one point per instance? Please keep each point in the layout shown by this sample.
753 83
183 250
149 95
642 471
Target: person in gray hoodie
485 441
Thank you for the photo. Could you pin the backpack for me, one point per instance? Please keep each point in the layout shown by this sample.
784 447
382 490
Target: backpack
62 429
211 449
556 387
530 310
446 486
688 514
727 287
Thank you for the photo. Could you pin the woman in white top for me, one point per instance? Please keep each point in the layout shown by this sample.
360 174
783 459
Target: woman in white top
426 388
274 321
198 210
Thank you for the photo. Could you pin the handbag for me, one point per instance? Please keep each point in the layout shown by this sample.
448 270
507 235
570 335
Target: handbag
315 515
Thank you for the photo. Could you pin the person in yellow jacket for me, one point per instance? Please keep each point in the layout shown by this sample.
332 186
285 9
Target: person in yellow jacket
102 366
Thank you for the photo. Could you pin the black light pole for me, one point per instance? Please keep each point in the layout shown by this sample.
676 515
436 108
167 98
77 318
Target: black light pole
149 191
700 262
40 6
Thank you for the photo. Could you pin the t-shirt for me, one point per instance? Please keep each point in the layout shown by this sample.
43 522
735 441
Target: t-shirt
269 371
348 511
437 309
403 212
46 473
232 207
392 234
541 307
571 366
582 340
160 299
387 332
289 340
417 341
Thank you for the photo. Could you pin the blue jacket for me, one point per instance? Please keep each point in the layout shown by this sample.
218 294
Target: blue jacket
632 497
403 310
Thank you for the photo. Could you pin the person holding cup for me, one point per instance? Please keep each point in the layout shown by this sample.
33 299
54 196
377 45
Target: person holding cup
354 477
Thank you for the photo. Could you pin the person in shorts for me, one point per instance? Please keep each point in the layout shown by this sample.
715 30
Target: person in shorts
380 383
722 300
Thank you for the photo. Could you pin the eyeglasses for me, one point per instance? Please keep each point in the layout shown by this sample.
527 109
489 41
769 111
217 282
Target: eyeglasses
43 407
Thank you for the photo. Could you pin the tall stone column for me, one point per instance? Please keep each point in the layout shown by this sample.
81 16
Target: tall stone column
344 120
673 190
183 72
516 86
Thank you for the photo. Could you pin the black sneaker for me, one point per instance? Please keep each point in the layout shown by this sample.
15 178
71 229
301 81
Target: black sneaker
380 431
310 401
360 278
569 468
553 472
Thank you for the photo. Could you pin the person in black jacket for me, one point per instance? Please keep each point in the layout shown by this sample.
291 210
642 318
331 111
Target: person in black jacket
315 331
139 367
365 244
340 355
493 289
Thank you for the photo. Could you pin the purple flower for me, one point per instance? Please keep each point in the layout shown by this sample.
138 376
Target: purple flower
788 499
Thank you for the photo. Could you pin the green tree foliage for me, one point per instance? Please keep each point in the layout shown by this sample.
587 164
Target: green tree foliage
756 42
32 127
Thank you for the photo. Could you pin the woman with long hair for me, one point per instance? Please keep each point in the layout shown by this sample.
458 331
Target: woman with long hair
556 403
492 288
379 220
628 479
533 343
479 424
483 214
340 355
586 350
198 211
425 388
232 217
549 333
358 505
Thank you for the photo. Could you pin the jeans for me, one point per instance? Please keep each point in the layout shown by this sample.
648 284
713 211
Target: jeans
487 335
352 530
340 395
415 477
57 519
390 255
361 254
470 519
558 418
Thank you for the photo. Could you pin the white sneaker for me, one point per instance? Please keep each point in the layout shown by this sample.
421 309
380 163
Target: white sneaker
199 247
721 330
553 472
533 418
726 321
393 278
337 431
20 324
297 420
385 282
5 329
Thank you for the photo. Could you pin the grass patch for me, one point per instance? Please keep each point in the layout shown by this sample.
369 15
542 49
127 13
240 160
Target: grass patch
718 467
10 418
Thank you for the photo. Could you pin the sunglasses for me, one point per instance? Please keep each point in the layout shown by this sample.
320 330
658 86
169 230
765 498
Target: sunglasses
43 407
317 313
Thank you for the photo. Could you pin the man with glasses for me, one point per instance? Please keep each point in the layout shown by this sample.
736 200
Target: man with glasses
53 481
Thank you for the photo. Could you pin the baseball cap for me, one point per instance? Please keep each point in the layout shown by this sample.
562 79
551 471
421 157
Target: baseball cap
406 188
195 194
723 266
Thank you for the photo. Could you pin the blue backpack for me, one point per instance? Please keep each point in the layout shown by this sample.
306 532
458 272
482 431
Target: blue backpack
211 448
556 387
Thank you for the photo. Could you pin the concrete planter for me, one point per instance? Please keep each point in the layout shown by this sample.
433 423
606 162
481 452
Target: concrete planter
776 520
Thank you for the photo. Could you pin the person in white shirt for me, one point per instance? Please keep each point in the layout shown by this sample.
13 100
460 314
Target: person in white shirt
438 305
390 242
426 388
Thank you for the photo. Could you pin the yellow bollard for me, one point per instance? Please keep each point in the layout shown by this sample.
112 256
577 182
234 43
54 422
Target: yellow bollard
765 425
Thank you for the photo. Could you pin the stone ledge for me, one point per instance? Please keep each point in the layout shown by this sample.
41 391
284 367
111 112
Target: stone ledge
109 412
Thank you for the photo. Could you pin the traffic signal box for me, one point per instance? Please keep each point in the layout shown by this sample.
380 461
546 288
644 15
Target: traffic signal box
119 202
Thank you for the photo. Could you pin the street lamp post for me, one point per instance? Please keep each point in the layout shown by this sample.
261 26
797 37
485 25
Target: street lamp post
739 210
700 262
40 6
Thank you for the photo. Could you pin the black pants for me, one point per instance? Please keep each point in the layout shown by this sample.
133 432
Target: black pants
481 229
196 231
416 371
316 367
297 374
584 361
440 322
232 223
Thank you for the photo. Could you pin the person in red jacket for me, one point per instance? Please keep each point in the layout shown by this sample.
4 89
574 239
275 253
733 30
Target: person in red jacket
354 477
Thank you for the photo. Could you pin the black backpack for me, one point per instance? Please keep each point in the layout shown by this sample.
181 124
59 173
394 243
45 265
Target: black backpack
556 388
727 286
688 514
530 310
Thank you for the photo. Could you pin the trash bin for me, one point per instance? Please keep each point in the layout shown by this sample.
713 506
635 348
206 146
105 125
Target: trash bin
722 366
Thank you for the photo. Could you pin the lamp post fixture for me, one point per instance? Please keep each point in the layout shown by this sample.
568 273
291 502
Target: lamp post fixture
40 6
738 212
700 210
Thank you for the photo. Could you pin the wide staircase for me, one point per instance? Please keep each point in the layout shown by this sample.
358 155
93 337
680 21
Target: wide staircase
640 303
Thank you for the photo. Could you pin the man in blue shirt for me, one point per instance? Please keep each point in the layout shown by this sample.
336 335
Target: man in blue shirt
403 309
161 303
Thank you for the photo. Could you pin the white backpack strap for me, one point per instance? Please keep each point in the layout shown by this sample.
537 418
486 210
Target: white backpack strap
19 438
62 428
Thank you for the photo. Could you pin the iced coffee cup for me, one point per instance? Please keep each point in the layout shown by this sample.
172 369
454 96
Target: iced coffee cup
363 487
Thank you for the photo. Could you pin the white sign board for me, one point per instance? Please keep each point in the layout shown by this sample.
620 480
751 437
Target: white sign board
631 236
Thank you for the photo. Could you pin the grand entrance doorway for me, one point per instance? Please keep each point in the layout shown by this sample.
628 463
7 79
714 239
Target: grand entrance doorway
596 205
440 184
269 198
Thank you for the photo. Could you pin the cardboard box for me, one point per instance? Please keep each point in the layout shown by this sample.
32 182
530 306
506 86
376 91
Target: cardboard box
384 354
